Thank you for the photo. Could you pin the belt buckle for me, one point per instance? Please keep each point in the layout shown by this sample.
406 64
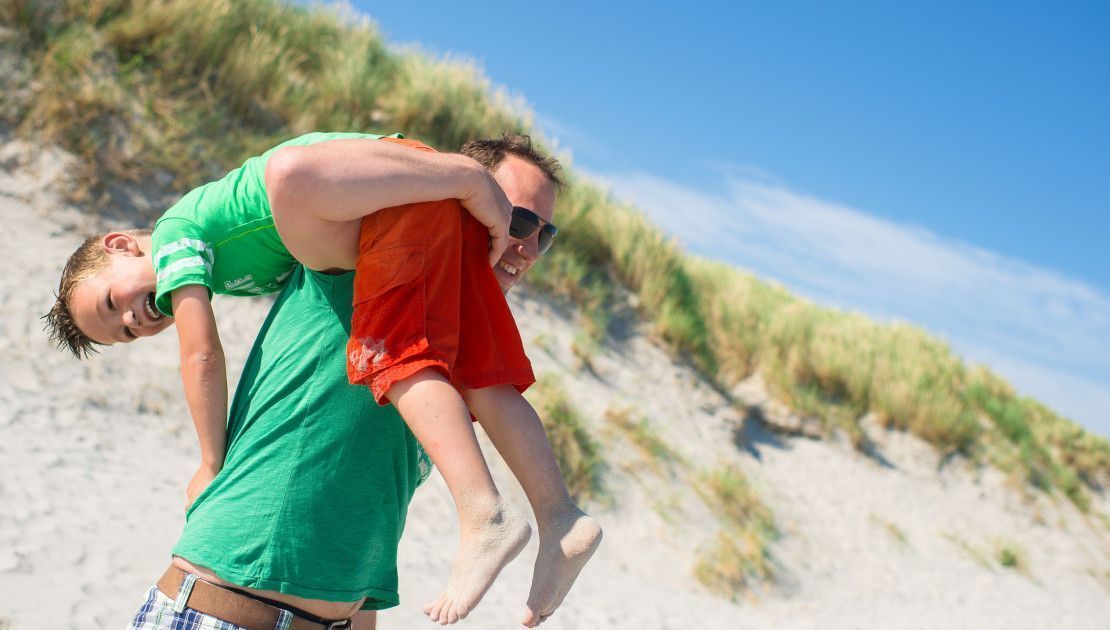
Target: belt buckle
344 624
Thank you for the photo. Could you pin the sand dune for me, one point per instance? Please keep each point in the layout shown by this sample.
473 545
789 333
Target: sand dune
94 458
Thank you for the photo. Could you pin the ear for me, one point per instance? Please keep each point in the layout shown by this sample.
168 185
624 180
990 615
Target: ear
121 243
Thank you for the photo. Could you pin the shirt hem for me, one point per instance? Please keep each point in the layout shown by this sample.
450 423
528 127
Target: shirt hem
376 598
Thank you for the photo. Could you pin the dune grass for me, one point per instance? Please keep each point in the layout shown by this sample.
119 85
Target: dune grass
640 432
897 535
576 451
740 555
999 551
1102 576
189 88
1011 556
980 555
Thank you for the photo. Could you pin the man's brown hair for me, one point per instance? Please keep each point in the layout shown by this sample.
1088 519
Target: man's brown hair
89 260
491 151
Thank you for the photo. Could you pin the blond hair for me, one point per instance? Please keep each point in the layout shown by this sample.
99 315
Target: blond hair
89 260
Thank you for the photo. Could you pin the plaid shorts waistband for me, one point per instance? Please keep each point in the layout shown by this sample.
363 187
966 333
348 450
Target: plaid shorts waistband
157 613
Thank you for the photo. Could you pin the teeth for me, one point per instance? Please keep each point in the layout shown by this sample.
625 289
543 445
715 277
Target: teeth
148 305
508 268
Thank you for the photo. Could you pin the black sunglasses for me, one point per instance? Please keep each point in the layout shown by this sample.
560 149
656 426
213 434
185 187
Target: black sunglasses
525 223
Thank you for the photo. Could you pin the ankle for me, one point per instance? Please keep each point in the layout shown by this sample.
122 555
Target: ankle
558 513
483 510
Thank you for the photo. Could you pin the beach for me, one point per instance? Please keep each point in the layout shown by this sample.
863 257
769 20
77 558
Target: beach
95 455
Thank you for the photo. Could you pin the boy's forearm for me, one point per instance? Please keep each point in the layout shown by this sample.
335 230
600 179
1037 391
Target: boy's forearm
203 373
204 377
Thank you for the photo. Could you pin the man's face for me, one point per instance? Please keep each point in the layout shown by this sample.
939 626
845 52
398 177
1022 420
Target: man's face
525 185
117 304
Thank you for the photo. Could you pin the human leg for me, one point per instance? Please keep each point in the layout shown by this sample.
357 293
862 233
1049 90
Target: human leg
492 368
491 532
404 344
568 537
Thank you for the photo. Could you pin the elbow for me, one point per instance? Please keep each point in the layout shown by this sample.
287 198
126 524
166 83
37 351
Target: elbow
285 174
204 360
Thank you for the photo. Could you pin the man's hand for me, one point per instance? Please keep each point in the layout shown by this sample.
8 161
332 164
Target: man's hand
198 483
492 208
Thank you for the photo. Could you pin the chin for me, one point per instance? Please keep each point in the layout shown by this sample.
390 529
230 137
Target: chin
504 280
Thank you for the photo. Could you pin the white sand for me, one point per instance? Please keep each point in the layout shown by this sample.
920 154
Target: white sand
94 458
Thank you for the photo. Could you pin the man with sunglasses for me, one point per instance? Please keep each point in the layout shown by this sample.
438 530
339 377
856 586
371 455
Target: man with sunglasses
291 380
534 215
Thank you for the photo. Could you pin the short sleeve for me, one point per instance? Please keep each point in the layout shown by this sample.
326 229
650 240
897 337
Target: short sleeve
181 257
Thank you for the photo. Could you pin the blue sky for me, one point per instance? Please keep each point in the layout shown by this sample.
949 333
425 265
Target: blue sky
943 163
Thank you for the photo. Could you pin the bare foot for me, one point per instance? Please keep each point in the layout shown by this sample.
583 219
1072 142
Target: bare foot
566 544
485 547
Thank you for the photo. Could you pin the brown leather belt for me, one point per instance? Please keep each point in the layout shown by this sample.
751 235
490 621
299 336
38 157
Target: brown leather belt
235 608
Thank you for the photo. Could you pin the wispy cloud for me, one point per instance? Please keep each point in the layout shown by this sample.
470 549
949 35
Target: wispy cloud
565 135
1049 334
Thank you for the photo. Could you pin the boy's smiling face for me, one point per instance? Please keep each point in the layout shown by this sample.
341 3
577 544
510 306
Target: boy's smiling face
117 304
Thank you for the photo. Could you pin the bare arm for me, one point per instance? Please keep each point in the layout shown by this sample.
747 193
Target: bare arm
343 180
203 373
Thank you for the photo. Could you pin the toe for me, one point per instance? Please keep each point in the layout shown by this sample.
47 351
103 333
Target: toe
436 609
432 605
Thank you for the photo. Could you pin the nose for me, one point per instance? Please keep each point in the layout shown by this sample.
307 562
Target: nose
529 249
131 320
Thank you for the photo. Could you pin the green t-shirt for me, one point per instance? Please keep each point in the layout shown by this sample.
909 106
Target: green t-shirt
312 497
222 234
